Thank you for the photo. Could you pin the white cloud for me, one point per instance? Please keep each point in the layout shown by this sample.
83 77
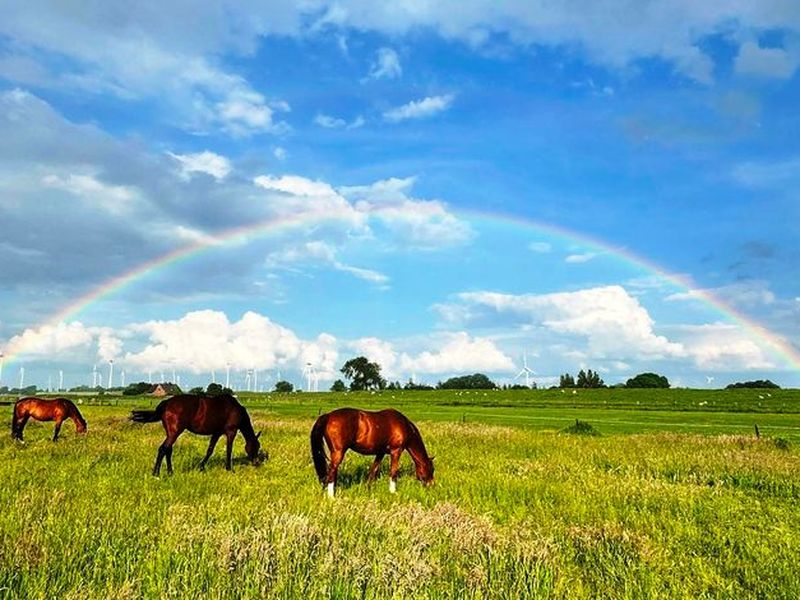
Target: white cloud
458 353
386 65
722 347
613 323
422 224
203 162
328 121
294 185
766 62
419 109
204 340
320 253
580 258
114 198
63 340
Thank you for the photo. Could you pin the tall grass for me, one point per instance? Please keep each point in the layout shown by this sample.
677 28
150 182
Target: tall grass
514 513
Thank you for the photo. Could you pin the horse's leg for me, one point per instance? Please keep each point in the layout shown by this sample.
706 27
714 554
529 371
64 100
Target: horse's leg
375 468
21 425
165 451
230 437
57 429
162 450
211 445
394 469
337 456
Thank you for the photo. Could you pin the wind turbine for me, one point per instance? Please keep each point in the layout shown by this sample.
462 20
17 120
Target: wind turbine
21 377
247 375
110 372
310 373
122 381
709 379
2 356
94 376
60 379
255 380
228 375
525 370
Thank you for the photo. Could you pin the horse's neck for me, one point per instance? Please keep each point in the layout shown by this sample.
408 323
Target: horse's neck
416 447
246 427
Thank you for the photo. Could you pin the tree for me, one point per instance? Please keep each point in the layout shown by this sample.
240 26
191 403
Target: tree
757 384
284 387
137 389
363 374
195 390
478 381
589 379
647 380
566 381
338 386
214 389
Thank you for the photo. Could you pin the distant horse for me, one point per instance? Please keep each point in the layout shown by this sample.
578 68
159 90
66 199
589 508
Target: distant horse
45 409
204 415
374 433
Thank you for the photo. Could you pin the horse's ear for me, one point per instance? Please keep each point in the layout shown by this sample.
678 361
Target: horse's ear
432 457
258 435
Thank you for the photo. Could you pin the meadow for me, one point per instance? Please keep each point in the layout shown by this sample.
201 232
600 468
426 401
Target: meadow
676 498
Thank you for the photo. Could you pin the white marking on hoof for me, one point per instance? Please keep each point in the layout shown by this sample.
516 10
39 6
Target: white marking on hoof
330 490
392 486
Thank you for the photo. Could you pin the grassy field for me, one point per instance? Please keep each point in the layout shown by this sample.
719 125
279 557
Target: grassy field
676 498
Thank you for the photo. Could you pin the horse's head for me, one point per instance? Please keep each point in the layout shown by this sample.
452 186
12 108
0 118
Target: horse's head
253 449
425 471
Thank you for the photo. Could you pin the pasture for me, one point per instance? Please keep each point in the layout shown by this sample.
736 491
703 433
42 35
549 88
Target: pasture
676 498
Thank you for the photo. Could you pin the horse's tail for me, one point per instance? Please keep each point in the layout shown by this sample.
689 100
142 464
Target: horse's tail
148 416
318 447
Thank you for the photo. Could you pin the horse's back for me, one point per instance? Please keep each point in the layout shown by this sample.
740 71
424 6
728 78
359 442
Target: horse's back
366 431
43 409
204 414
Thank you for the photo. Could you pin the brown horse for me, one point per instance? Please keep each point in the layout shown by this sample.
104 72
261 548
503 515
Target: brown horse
204 415
45 409
375 433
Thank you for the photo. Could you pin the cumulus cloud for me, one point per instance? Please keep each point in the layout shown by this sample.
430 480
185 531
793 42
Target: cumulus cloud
611 321
203 162
419 109
458 353
204 340
722 347
63 340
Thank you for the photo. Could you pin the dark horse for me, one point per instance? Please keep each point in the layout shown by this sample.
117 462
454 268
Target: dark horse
45 409
375 433
204 415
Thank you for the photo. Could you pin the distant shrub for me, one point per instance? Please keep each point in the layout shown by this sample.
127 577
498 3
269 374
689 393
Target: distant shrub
478 381
781 443
581 428
757 384
647 380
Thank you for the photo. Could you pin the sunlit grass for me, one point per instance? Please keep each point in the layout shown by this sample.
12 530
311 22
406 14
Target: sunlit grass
515 512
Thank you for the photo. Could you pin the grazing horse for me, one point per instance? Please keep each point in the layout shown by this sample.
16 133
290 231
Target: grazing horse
45 409
374 433
204 415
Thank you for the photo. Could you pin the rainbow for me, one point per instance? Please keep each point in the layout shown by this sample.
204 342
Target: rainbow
243 234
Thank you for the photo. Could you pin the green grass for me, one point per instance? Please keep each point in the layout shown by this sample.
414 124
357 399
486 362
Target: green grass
665 503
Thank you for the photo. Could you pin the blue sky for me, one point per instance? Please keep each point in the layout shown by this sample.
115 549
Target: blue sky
469 183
